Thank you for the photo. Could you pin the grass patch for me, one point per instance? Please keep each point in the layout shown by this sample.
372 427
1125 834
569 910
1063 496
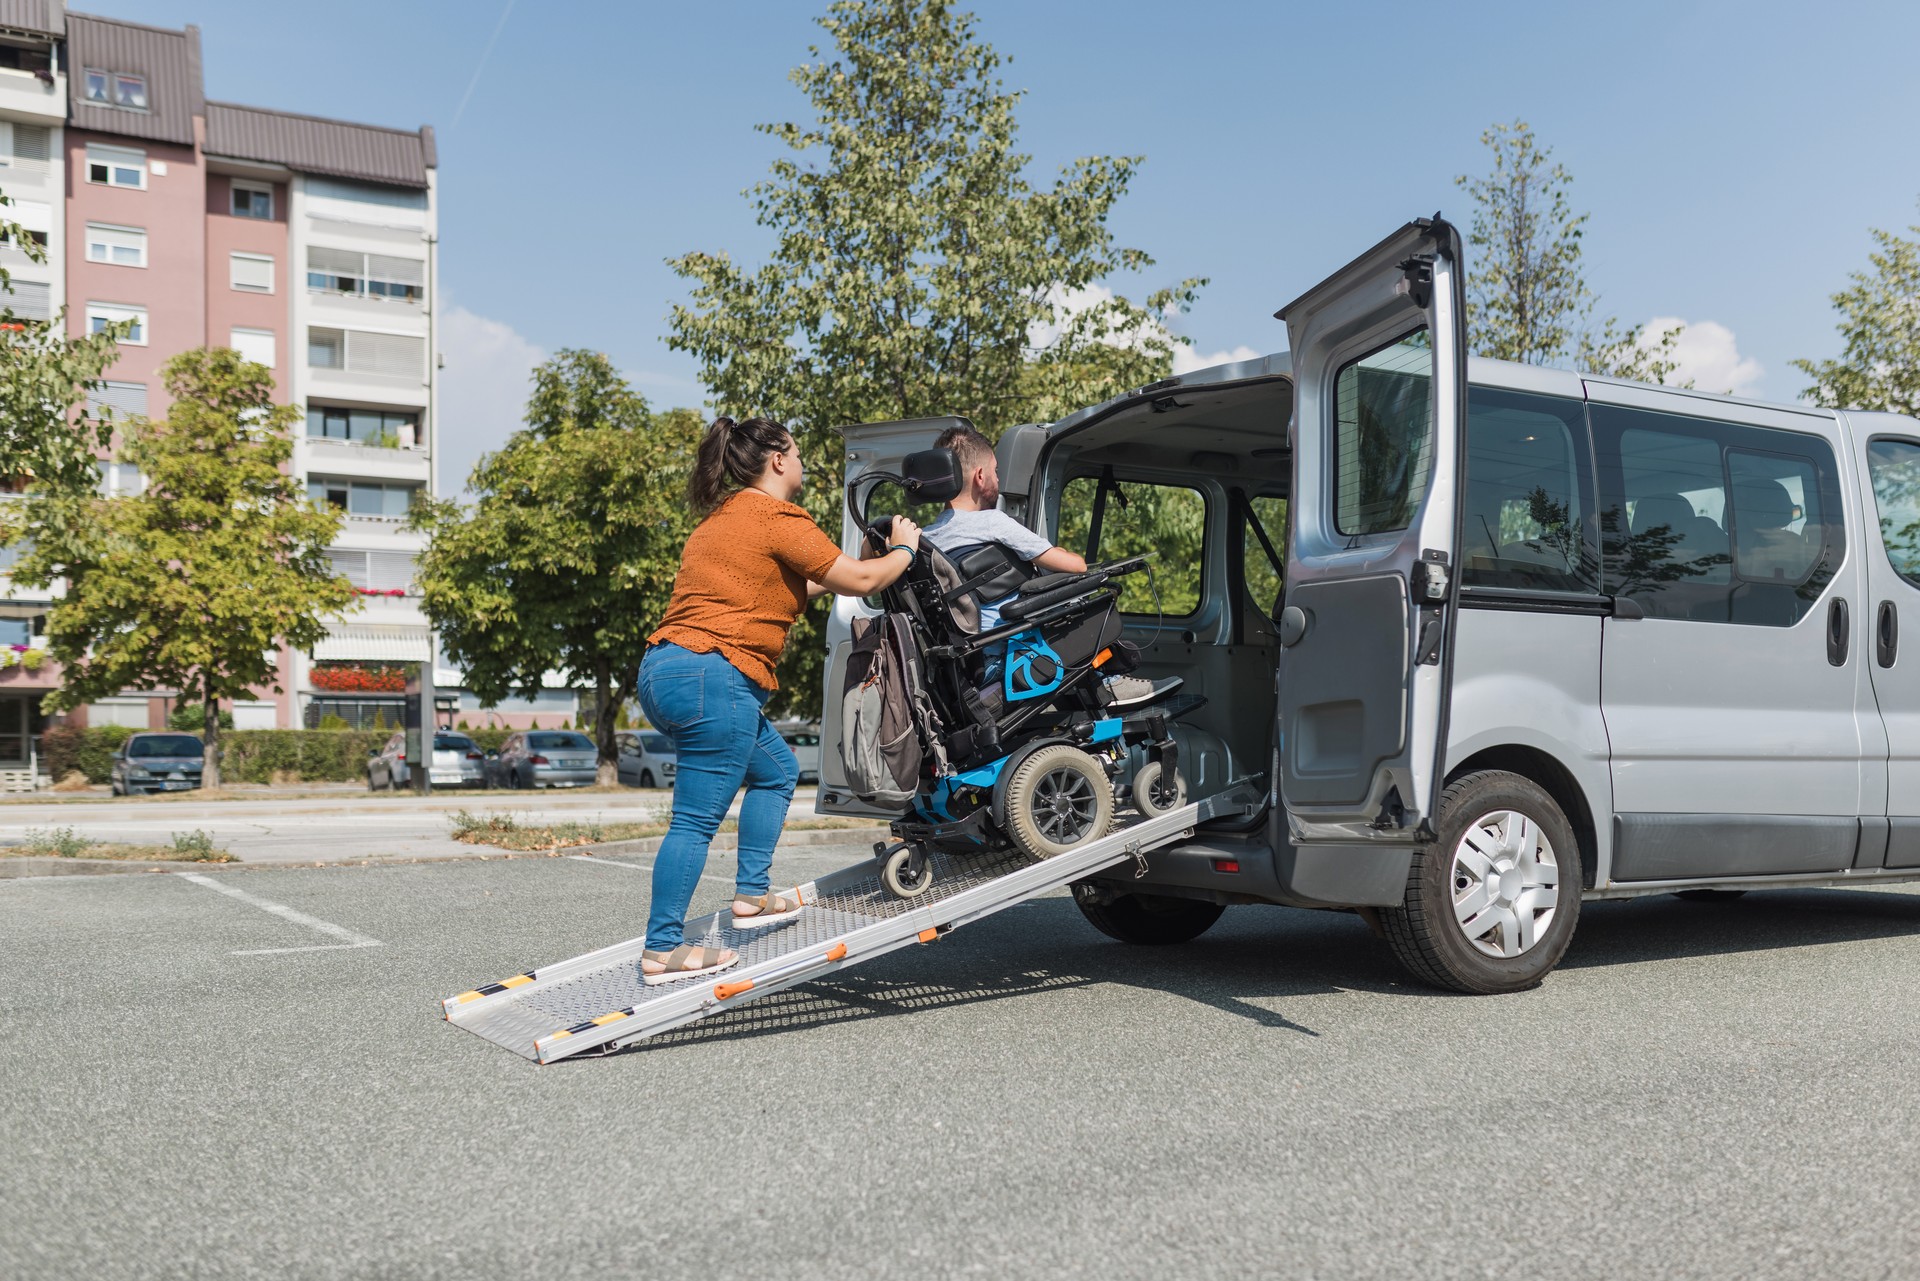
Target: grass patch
63 842
505 831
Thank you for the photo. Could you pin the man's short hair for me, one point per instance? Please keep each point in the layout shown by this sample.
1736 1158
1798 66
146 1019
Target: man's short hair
974 449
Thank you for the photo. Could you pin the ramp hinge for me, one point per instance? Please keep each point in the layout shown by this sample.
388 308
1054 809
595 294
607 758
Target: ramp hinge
1139 859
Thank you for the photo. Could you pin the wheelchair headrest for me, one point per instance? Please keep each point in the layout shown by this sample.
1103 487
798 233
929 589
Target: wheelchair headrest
933 475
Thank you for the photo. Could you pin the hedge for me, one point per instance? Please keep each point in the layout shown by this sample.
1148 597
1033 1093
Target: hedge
247 755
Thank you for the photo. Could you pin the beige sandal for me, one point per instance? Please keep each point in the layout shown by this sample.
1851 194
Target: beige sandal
767 909
685 962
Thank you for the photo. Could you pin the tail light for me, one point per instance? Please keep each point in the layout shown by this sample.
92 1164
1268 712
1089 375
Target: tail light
475 756
538 760
401 757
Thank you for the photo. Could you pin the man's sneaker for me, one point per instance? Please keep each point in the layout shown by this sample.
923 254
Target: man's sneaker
1132 691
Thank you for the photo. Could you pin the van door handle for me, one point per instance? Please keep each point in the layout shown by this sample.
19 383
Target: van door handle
1886 640
1837 630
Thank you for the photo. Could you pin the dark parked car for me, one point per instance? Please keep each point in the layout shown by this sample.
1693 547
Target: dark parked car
457 762
543 758
157 763
646 758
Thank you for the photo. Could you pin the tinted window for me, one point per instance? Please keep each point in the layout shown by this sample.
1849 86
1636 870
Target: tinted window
1716 522
452 743
802 740
1383 437
1166 522
1527 504
558 742
1896 490
656 743
164 745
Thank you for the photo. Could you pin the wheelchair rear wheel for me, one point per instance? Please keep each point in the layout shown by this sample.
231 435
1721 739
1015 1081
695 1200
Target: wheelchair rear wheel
1057 798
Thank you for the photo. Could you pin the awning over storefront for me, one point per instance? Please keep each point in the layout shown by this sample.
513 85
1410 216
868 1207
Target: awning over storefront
371 643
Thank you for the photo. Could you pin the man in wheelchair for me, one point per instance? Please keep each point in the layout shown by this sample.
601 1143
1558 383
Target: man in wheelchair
973 529
1028 757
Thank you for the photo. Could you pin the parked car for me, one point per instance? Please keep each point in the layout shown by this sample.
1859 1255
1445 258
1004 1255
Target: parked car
646 758
806 751
457 762
543 758
157 763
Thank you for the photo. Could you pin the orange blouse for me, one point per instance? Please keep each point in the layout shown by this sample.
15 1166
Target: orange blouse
743 580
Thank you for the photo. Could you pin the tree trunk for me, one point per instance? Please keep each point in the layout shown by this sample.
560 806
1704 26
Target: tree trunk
210 735
609 771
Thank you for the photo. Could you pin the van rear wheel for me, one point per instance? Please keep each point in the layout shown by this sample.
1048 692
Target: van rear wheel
1151 919
1491 906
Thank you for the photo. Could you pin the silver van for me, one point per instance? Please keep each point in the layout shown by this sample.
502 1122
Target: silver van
1491 638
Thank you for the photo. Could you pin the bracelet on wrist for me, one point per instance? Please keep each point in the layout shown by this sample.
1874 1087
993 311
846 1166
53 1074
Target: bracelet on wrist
902 547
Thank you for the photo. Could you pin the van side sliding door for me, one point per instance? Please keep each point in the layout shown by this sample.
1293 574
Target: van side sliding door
1379 364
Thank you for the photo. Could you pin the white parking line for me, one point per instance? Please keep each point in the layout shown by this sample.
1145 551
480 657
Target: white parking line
347 937
640 867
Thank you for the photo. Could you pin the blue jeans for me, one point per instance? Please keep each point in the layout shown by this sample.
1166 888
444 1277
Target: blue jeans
713 715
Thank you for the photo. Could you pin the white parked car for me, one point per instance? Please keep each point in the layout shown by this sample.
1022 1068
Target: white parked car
646 758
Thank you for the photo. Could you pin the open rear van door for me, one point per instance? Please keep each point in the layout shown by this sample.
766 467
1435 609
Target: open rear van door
1379 366
871 447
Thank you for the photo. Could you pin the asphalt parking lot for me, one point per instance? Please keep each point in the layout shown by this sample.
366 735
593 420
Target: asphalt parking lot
210 1084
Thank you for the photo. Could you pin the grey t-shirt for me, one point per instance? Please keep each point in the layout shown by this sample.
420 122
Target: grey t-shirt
956 531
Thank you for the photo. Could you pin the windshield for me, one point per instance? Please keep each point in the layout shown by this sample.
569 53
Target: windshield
552 742
164 745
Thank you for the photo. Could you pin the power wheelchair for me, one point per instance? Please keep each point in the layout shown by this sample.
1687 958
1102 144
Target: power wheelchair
1029 760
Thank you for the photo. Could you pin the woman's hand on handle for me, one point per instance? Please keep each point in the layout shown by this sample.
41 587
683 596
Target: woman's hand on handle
864 577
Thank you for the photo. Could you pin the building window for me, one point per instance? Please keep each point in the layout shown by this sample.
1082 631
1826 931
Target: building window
251 273
347 271
123 399
24 148
252 199
116 89
365 352
255 344
102 314
120 246
120 480
19 58
368 426
366 193
116 166
30 300
366 498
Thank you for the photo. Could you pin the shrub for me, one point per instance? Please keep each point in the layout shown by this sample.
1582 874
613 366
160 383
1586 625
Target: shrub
66 748
63 841
197 844
489 737
330 721
192 717
312 755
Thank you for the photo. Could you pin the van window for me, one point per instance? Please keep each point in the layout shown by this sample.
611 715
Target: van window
1383 437
1716 522
1167 522
1528 481
1896 490
1262 576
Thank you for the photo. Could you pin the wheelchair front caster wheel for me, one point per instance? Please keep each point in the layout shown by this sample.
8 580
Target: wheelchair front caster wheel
1157 790
907 873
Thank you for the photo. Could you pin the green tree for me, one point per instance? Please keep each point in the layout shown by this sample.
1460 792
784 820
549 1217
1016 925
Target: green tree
198 580
1527 294
565 561
43 375
1879 365
916 270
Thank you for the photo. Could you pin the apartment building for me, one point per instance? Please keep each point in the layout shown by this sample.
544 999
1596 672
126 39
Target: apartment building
307 244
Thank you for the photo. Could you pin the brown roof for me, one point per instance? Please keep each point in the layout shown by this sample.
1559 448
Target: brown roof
48 17
170 60
309 144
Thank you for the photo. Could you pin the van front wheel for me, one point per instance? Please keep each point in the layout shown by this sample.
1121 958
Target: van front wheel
1490 907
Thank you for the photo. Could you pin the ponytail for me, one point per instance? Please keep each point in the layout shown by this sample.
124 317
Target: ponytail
732 456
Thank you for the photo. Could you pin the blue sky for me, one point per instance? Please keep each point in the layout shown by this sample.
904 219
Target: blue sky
1733 155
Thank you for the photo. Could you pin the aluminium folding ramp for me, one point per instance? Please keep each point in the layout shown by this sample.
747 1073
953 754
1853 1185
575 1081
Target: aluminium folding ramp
599 1000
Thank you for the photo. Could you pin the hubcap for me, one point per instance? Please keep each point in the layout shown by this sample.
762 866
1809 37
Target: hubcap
1064 806
1506 883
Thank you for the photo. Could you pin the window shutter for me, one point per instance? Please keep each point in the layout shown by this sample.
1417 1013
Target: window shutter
34 215
403 271
252 272
394 355
124 399
336 262
31 300
255 344
351 563
387 571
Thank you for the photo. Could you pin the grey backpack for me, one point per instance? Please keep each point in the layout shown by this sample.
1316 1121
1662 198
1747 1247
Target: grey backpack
884 711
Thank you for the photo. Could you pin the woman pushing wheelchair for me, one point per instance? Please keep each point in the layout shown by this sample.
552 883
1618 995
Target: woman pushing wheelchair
747 571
